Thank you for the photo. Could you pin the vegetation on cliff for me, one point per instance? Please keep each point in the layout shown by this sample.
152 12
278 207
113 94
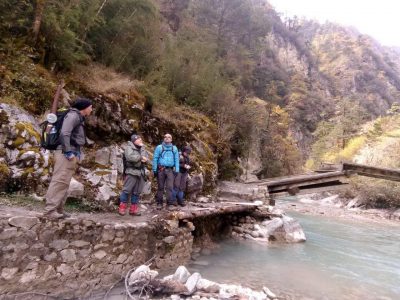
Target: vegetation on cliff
206 59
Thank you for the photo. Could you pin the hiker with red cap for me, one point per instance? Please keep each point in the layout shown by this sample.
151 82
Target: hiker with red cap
135 159
72 137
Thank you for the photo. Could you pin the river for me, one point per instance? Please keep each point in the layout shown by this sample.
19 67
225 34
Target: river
342 259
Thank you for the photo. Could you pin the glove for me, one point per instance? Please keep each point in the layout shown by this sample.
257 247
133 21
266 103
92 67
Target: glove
69 155
175 173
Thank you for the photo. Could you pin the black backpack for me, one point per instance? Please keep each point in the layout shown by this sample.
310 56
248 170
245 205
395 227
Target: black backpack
51 140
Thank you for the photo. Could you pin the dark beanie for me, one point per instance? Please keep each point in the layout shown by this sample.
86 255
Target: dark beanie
81 103
187 149
134 137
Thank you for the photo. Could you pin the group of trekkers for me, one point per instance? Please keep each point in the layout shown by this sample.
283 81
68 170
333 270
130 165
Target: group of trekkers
170 167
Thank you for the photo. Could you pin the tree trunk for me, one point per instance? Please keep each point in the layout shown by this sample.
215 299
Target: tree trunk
40 4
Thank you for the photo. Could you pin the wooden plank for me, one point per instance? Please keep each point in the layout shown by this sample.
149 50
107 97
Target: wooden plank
302 178
307 190
371 171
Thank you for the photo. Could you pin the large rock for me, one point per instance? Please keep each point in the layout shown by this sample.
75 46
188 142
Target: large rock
105 193
76 189
195 185
285 229
103 156
142 272
192 282
181 274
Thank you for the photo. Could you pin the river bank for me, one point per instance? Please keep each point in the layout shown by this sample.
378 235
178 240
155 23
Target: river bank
331 205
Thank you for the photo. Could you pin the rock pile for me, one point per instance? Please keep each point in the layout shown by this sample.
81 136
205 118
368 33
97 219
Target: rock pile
184 285
279 228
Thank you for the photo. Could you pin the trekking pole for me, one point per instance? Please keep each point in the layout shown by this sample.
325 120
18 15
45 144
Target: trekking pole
52 116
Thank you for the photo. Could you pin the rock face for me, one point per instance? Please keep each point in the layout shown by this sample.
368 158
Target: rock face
25 167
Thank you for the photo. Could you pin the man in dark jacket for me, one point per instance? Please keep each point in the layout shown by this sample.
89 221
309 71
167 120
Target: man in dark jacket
66 157
182 176
135 175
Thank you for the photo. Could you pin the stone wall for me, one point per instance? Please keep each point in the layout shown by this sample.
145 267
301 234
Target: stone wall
74 257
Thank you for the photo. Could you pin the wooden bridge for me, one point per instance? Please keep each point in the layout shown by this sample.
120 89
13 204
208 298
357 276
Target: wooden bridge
327 178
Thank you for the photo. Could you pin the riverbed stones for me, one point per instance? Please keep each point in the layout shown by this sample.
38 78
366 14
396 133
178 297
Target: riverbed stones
207 286
192 282
142 272
181 274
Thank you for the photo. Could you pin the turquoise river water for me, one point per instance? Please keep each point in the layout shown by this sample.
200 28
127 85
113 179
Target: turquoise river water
342 259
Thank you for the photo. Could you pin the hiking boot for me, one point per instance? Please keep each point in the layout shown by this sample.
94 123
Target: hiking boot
159 206
134 210
170 207
122 209
53 215
182 204
65 215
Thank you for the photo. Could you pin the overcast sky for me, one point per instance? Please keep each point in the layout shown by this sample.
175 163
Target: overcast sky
379 19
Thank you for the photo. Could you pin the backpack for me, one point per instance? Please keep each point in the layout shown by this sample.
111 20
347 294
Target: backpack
50 140
164 150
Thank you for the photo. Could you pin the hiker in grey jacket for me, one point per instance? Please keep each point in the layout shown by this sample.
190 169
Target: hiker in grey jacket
136 158
72 138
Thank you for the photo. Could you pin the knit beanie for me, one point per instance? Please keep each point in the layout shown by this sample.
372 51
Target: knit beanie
187 149
134 137
81 103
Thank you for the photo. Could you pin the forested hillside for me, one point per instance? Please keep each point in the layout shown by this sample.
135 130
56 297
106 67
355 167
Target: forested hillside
278 91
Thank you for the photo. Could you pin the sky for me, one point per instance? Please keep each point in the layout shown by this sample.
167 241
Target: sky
379 19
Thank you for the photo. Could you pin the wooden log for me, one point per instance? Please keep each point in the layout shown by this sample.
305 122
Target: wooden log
198 213
371 171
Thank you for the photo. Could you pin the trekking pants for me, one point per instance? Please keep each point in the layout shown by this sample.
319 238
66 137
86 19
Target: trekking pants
58 189
133 185
165 180
180 186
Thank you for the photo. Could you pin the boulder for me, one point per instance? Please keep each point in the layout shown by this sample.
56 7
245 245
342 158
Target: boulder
142 272
192 282
195 185
105 193
76 189
102 156
207 286
181 274
285 229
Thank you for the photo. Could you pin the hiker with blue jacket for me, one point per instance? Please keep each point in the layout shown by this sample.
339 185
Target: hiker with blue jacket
165 167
